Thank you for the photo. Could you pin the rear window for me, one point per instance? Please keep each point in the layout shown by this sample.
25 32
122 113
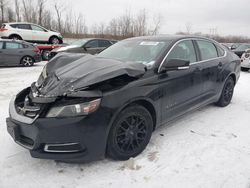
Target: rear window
207 49
14 25
13 45
23 26
221 52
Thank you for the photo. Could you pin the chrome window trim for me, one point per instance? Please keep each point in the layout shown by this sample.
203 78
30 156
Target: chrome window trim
177 42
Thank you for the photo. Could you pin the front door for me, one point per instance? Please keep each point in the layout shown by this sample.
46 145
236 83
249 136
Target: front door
92 47
181 89
39 34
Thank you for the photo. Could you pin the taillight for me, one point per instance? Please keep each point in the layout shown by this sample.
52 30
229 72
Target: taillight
36 50
2 30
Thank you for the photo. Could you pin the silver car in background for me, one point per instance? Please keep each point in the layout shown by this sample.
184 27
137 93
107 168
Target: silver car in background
245 61
18 53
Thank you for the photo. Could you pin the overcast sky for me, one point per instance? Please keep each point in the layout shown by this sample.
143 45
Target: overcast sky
228 17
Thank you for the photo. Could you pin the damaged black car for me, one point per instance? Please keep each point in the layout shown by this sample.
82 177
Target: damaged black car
86 107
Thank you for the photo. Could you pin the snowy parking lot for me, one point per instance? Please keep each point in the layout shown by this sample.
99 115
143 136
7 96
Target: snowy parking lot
209 148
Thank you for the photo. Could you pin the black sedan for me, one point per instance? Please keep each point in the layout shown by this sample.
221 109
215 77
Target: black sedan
86 107
87 45
18 53
241 49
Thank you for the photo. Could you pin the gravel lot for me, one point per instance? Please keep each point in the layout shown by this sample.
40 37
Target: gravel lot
207 148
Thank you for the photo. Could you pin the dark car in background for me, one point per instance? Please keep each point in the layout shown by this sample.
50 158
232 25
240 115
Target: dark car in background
86 107
88 45
241 49
18 53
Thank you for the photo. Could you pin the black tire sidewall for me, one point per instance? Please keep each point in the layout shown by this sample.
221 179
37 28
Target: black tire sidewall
222 102
112 149
244 69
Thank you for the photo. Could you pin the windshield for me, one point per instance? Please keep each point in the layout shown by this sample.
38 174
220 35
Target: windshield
243 47
78 43
133 50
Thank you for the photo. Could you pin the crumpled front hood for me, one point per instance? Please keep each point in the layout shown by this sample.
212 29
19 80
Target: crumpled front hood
83 72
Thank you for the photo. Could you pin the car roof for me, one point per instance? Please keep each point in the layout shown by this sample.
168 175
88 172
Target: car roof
19 23
11 40
169 37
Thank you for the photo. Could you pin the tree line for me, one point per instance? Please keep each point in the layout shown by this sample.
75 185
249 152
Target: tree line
62 18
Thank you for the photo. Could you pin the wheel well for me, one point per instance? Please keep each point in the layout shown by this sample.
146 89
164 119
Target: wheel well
148 106
15 35
234 78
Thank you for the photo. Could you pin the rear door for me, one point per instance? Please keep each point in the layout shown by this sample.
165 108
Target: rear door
212 65
181 89
24 30
1 54
12 53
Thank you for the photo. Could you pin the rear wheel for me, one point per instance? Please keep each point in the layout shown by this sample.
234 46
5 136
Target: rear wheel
227 93
15 37
130 133
27 61
244 69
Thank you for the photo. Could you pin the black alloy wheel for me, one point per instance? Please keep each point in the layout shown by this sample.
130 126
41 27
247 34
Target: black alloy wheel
227 93
130 133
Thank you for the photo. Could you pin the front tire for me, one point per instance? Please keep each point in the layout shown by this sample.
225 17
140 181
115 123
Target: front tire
54 40
227 93
244 69
130 133
27 61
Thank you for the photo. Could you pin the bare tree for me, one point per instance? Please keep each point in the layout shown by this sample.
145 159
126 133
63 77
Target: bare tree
59 8
17 10
188 27
157 24
40 4
140 23
2 8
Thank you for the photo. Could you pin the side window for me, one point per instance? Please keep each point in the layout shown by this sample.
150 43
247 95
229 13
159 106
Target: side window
1 45
14 25
221 52
92 44
207 49
37 28
183 50
13 45
104 43
24 26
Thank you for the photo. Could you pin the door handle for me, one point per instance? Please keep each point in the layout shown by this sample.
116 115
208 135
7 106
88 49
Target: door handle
220 65
197 69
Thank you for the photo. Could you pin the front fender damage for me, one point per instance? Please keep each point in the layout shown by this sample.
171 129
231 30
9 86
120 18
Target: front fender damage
86 76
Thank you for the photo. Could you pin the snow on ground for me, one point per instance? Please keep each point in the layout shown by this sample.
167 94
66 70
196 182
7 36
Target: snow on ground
208 148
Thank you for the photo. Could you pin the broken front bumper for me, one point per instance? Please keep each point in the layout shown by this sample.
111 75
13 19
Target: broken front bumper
76 139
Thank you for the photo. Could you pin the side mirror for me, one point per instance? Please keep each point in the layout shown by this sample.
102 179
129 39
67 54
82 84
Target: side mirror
175 64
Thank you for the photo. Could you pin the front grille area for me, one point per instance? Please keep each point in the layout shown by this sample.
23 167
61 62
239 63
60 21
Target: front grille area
25 107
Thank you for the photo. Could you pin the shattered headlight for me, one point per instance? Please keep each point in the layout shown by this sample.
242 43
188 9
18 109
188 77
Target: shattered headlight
74 110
